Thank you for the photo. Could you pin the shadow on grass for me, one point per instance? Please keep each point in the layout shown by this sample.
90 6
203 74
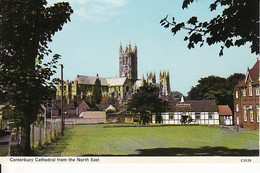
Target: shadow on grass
203 151
56 147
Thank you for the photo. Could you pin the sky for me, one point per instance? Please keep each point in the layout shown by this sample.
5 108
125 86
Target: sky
89 44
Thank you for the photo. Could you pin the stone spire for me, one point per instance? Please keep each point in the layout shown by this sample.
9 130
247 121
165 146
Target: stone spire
129 47
120 48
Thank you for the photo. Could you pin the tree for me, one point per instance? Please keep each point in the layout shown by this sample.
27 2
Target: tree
237 25
216 88
234 79
97 93
176 95
26 27
146 101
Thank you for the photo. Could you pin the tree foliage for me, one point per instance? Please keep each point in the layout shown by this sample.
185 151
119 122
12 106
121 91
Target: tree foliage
97 93
237 25
216 88
176 95
26 26
146 101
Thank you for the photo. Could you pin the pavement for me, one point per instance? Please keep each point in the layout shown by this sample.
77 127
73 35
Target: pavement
4 142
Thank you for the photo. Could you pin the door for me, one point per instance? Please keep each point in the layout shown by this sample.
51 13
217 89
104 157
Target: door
221 120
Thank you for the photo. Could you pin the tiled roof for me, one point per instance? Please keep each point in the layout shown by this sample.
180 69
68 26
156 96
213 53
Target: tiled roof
104 81
252 74
194 106
224 110
90 80
104 100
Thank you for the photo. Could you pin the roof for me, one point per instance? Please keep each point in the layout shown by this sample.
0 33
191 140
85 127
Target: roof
116 81
90 80
251 75
139 83
104 100
194 106
104 81
102 107
224 110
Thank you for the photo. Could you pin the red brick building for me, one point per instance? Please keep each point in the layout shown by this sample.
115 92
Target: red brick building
246 99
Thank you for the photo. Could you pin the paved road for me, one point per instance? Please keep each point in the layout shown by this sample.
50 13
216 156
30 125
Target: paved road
4 141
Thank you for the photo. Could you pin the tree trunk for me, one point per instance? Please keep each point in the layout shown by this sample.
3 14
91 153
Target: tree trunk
26 132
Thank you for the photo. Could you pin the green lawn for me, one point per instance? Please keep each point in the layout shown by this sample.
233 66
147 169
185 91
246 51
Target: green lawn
86 140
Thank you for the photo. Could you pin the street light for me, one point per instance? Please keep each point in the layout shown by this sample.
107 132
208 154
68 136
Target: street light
62 116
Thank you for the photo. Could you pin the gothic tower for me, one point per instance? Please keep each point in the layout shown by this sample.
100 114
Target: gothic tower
165 88
128 62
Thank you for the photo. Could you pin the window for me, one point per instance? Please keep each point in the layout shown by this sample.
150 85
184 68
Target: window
250 90
257 90
237 109
197 116
210 116
251 114
257 112
245 115
236 94
244 92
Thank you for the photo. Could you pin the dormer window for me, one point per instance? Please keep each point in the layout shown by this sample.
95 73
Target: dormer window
250 90
244 92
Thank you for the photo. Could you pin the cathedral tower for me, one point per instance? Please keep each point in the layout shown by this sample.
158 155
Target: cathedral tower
165 88
128 62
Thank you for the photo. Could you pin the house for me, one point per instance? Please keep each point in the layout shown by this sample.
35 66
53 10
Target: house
197 111
225 115
246 99
83 106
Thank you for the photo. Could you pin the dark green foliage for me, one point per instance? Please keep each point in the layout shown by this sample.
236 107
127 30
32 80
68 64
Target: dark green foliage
216 88
237 25
97 93
146 101
176 95
26 26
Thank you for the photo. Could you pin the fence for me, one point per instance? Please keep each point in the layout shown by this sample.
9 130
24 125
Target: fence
44 133
77 121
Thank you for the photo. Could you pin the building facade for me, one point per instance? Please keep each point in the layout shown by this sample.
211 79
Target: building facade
128 62
246 99
225 115
197 111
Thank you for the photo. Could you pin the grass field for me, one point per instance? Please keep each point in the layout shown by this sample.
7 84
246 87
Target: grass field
87 140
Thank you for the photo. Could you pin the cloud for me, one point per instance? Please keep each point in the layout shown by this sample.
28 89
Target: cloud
98 10
117 3
95 10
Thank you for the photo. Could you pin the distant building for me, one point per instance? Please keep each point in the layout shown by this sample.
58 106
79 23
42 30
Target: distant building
200 111
225 115
119 88
246 99
128 62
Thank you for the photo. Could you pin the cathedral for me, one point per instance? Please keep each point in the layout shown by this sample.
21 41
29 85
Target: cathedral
120 88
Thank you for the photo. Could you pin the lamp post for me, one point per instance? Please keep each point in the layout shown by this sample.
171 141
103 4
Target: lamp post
62 116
